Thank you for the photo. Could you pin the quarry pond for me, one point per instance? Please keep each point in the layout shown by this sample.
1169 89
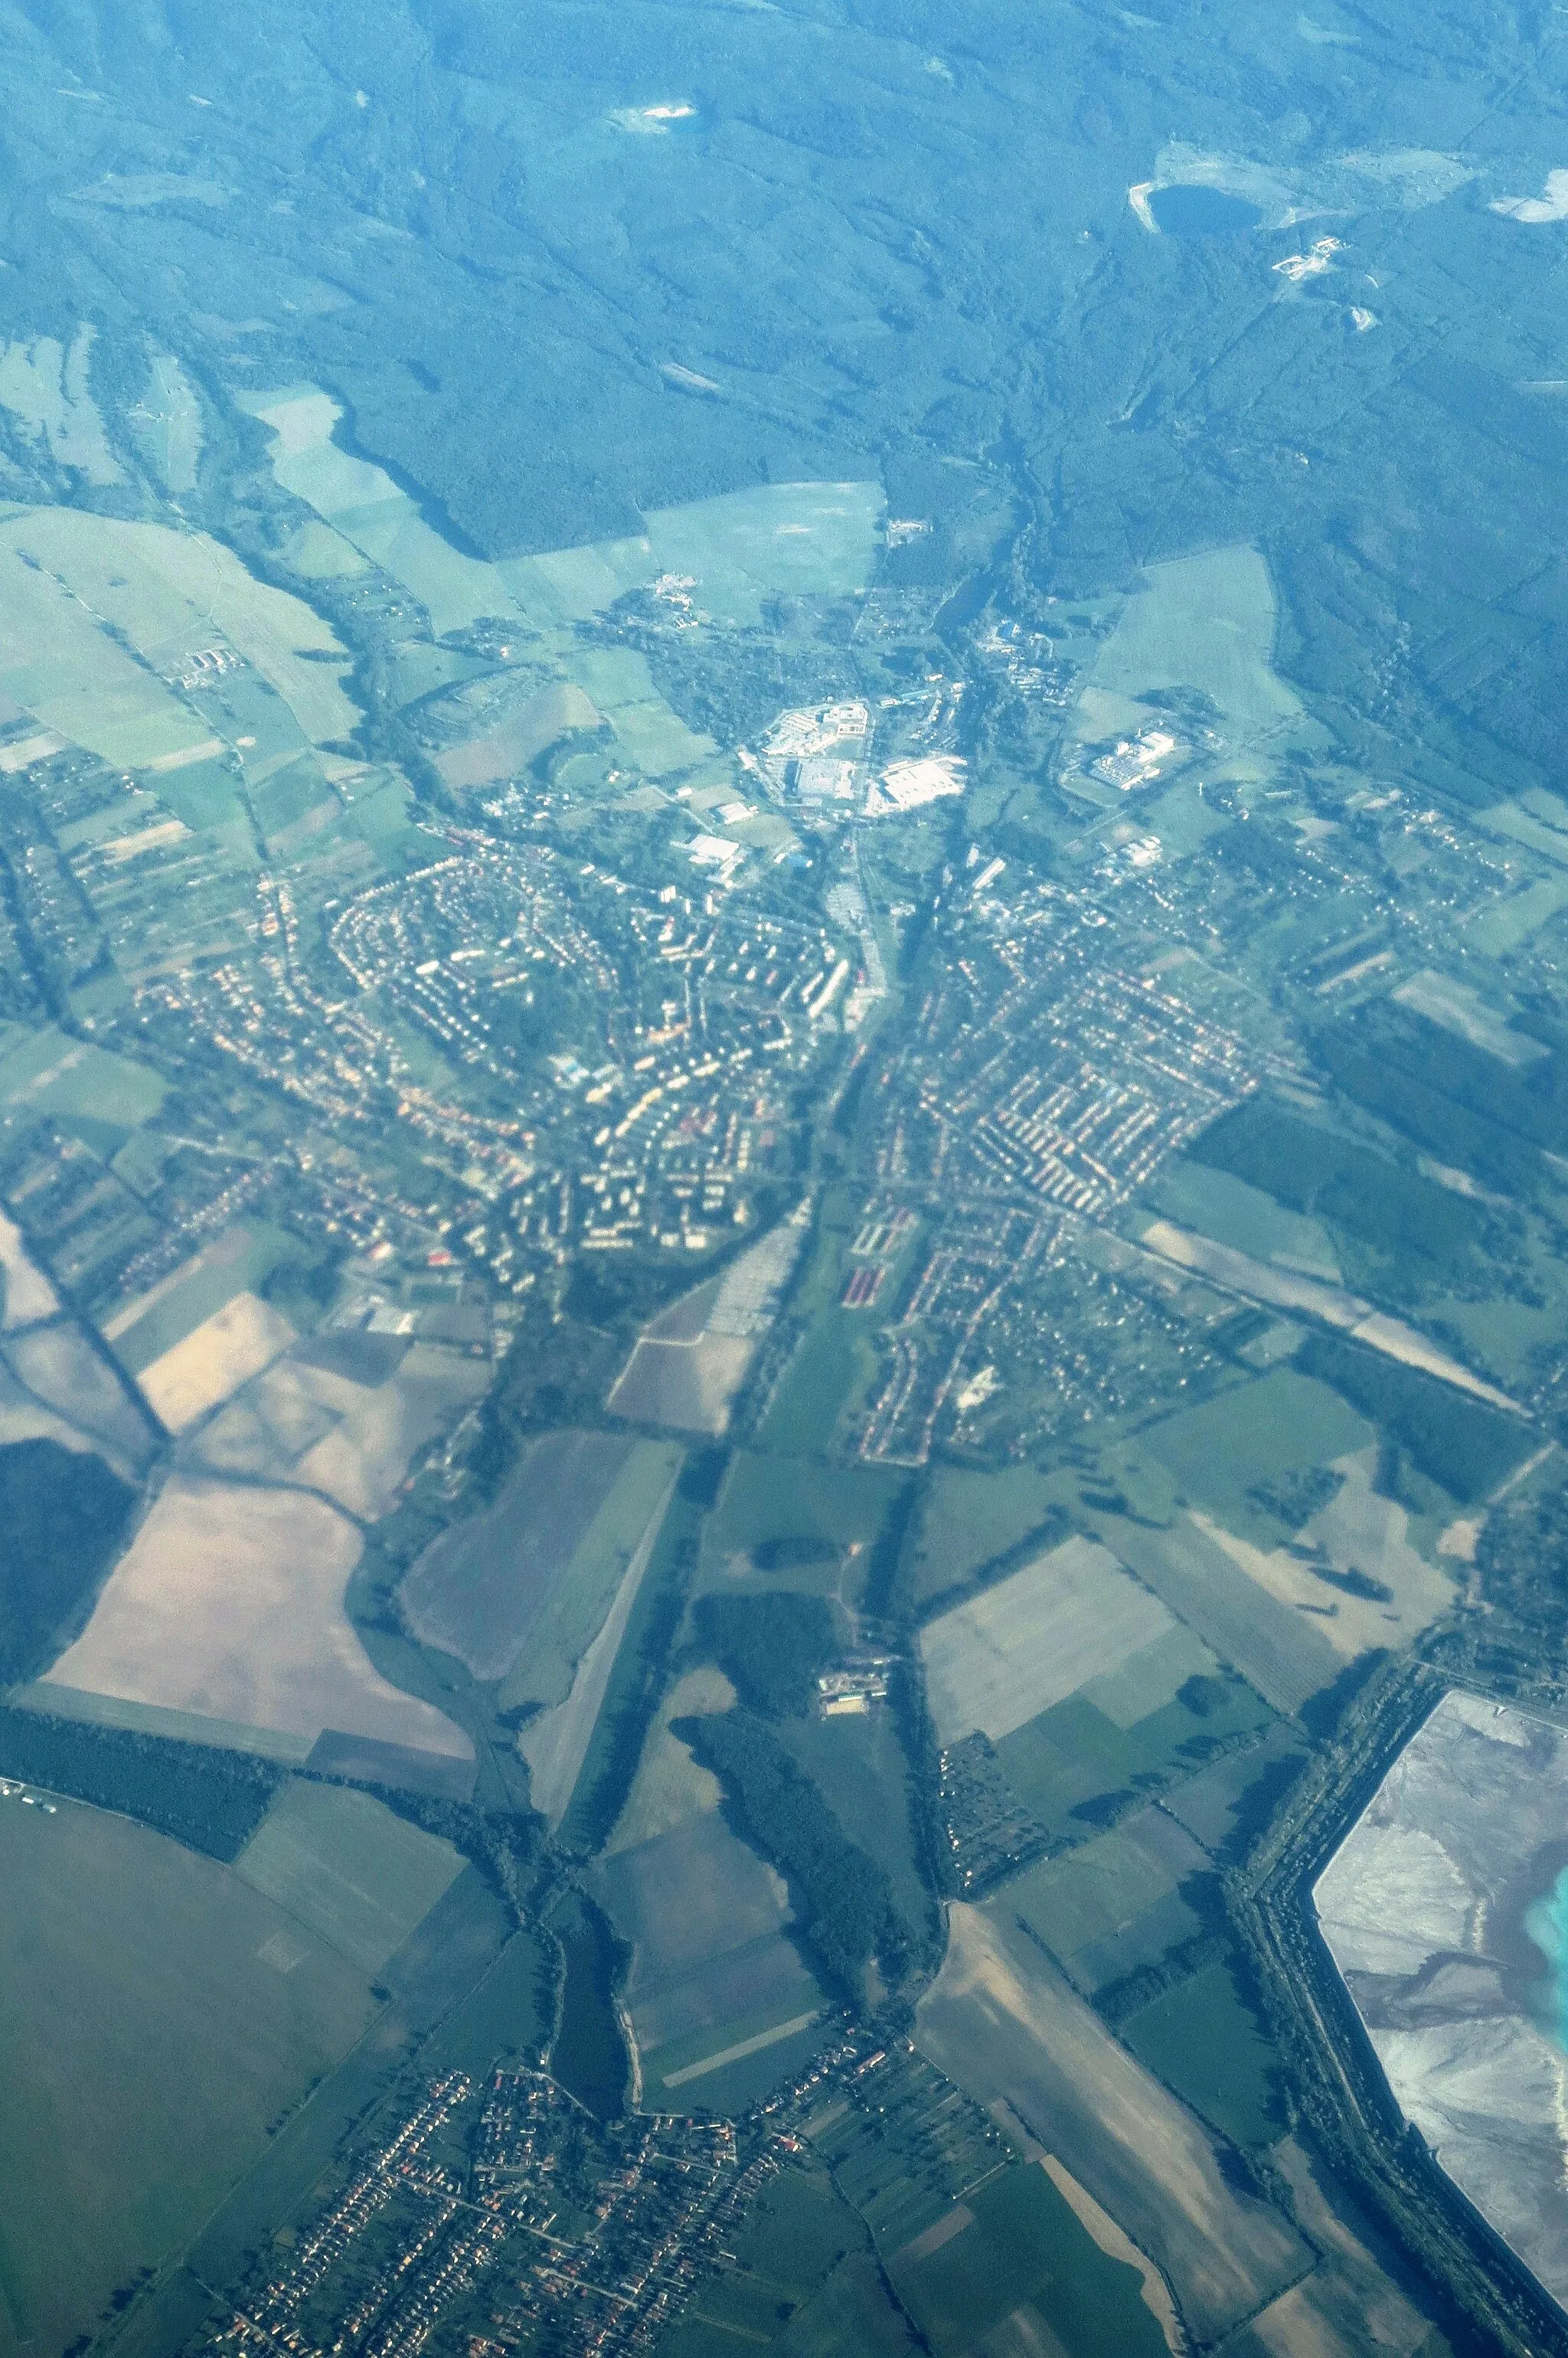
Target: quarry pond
1446 1911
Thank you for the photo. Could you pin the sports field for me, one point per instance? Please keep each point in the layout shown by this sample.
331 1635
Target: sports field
158 2015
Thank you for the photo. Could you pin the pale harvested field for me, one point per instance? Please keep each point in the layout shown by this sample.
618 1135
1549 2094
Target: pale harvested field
268 1427
225 1352
60 1368
23 1418
1263 1282
229 1602
686 1386
1357 1532
363 1460
1003 2023
1034 1639
29 1295
301 1422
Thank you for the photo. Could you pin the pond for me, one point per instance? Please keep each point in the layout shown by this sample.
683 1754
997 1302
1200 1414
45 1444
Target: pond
1203 213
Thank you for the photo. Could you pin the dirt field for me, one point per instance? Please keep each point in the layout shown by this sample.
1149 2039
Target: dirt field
1348 2302
1030 1642
225 1352
230 1604
1003 2023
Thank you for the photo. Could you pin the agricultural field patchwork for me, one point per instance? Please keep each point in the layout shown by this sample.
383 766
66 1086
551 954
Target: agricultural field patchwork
161 2017
1070 1618
713 1971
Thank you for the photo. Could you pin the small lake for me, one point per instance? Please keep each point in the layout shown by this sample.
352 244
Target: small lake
1203 213
588 2054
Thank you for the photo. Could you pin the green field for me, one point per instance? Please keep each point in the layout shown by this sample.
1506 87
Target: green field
834 1360
969 1519
239 1261
1025 2260
1255 1435
1220 1205
795 539
712 1969
803 2281
859 1766
973 2240
362 503
341 1862
510 2012
836 1357
1203 623
44 1072
158 2015
1116 1905
1075 1769
1206 2043
581 1594
768 1502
